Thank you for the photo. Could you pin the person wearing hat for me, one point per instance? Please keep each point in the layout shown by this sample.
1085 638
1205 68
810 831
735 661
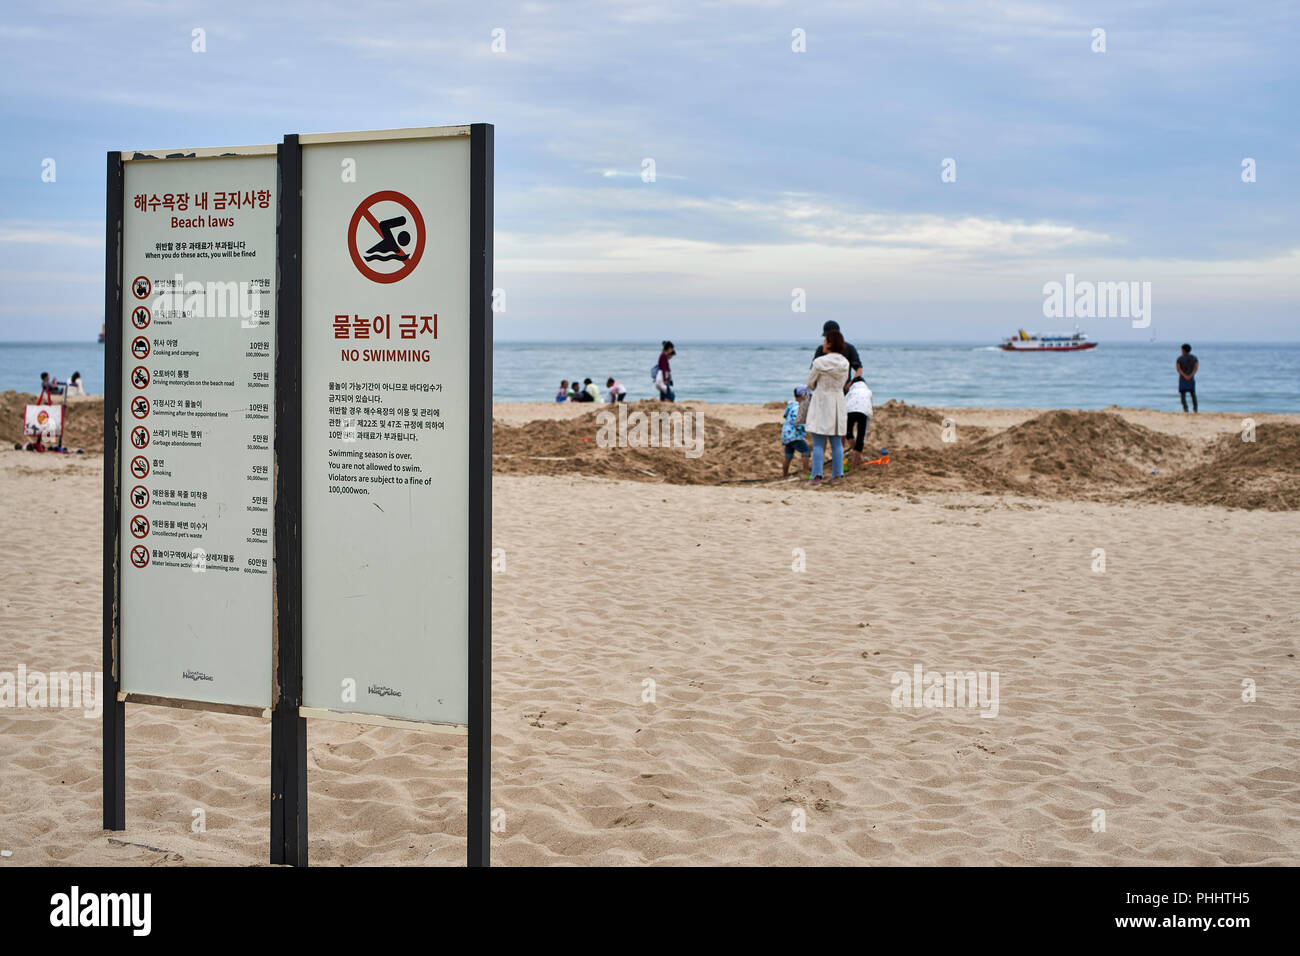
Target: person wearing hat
850 353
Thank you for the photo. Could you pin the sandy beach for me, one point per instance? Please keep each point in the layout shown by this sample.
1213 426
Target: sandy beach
773 621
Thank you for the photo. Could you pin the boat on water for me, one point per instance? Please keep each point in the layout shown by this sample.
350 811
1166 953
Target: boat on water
101 334
1024 342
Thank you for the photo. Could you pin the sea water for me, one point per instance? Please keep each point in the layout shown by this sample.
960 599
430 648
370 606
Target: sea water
1233 378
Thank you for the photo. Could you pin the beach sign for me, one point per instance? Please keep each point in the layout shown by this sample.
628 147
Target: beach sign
386 427
194 331
297 499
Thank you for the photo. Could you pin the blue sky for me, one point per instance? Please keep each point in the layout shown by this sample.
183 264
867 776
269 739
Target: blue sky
775 170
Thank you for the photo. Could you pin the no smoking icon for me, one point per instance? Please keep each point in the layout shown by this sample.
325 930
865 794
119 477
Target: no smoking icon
140 466
140 556
379 236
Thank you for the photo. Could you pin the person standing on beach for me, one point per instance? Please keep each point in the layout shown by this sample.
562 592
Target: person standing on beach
664 374
1187 365
850 353
827 417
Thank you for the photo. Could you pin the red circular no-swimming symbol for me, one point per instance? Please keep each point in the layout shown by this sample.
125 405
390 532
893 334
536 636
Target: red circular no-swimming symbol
141 317
140 496
385 244
140 347
140 436
140 377
141 287
140 526
140 466
140 556
140 407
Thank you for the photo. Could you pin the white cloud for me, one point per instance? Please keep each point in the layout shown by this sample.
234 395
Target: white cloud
32 233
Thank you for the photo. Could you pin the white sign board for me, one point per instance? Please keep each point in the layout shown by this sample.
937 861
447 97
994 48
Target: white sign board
385 425
197 467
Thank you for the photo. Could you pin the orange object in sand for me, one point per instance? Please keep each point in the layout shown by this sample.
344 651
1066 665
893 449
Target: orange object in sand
879 461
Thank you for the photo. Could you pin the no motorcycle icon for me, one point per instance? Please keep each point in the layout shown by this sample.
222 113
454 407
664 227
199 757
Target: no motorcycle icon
389 218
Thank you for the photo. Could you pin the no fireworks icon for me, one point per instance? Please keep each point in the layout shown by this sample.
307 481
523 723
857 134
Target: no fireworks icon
386 236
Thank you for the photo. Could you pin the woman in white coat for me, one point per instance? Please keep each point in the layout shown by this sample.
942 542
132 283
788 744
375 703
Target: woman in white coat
826 413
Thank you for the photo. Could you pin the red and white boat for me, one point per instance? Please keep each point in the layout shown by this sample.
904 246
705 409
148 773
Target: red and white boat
1024 342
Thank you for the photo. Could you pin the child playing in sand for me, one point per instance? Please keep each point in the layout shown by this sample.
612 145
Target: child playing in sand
857 405
793 429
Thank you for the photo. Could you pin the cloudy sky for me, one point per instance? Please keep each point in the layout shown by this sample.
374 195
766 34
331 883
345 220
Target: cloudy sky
775 170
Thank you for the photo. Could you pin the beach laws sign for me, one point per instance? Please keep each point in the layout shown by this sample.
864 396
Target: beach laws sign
196 331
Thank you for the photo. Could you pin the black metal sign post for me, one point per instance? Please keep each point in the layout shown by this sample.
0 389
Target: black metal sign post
479 832
114 709
288 726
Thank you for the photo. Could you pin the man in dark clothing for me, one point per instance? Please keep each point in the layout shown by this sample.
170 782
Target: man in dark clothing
850 353
1187 366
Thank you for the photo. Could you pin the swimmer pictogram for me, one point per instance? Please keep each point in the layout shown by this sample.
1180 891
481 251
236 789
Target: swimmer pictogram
379 236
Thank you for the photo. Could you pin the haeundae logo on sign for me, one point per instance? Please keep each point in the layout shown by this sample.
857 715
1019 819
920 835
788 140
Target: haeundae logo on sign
380 236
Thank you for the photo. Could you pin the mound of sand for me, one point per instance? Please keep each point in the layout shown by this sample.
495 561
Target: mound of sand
1058 454
83 424
1064 450
1261 474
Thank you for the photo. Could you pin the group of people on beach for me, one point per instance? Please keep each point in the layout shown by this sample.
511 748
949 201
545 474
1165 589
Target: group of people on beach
834 407
588 391
50 385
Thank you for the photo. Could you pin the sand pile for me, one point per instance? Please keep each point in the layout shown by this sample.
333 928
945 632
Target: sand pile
1063 450
1262 474
896 424
1058 454
83 424
574 447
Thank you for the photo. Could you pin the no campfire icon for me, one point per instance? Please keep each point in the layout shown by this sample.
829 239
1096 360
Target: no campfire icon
380 238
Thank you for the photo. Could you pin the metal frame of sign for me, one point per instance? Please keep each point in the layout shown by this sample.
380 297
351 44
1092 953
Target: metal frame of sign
287 715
